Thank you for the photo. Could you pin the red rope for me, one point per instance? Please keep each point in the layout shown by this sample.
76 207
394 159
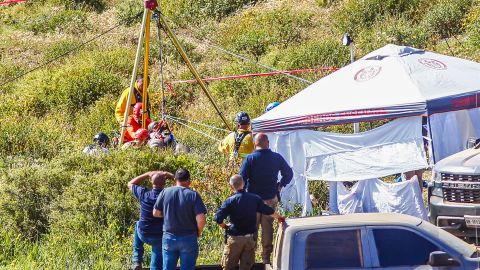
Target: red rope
254 75
8 2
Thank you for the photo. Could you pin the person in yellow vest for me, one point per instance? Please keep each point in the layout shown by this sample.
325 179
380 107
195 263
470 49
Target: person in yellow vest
239 143
137 97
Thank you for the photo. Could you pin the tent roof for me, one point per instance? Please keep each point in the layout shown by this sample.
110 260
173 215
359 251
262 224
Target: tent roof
390 82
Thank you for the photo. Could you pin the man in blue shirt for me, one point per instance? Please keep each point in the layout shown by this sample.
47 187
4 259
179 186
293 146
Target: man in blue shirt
148 229
242 209
184 219
260 171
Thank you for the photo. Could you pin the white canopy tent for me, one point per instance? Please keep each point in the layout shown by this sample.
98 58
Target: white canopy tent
391 82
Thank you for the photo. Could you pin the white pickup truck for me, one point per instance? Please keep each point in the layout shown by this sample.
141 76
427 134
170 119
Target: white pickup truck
369 241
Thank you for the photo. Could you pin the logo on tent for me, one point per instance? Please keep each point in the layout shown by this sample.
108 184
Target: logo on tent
367 73
432 63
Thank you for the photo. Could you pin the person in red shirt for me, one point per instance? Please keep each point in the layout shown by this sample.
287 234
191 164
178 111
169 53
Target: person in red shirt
134 122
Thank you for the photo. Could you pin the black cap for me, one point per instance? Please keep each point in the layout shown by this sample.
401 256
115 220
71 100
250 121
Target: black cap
182 175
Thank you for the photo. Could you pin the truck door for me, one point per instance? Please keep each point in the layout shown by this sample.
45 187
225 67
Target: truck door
332 248
402 248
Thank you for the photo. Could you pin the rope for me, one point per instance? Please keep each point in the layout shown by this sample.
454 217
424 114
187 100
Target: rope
194 129
197 123
257 63
12 2
63 54
210 44
245 76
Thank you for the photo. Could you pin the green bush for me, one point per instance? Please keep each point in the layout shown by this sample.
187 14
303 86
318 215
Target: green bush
68 21
82 87
127 11
445 19
472 27
59 48
26 135
394 30
254 32
312 54
94 5
8 71
355 15
97 118
184 12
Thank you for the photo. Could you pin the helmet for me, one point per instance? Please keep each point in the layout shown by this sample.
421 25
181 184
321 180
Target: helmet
141 134
101 139
153 126
137 109
242 118
271 106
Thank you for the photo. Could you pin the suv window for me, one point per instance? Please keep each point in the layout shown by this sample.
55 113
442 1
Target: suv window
399 247
334 249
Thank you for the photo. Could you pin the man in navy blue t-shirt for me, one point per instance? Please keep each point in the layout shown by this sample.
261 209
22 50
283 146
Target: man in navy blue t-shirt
184 219
242 208
260 171
149 228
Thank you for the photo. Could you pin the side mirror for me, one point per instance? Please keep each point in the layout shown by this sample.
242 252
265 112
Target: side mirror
440 258
472 142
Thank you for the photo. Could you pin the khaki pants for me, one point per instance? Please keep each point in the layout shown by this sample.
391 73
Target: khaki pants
266 222
239 248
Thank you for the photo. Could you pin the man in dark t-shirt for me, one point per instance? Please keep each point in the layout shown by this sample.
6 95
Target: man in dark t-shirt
260 171
184 219
149 228
242 209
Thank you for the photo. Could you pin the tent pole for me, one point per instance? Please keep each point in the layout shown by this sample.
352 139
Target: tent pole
356 126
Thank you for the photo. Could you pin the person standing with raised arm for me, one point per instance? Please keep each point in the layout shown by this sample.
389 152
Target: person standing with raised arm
148 228
184 216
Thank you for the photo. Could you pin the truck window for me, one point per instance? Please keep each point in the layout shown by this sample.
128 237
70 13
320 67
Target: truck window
334 249
400 247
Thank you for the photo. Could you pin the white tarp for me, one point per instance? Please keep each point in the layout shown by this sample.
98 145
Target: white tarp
392 148
376 196
450 131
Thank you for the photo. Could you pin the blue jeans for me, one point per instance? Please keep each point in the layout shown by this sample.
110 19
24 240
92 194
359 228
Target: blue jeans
183 247
153 240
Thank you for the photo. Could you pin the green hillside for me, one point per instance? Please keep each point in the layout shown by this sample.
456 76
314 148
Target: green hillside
60 209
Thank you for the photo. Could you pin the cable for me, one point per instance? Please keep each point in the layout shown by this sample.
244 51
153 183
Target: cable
194 129
63 54
197 123
210 44
257 63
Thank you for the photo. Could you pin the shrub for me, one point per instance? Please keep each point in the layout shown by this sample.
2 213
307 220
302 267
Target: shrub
58 48
394 30
69 21
445 19
8 71
94 5
355 15
472 26
184 12
325 53
127 11
97 118
254 32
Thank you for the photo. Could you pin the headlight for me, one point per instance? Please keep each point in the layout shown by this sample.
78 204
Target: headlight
437 185
436 176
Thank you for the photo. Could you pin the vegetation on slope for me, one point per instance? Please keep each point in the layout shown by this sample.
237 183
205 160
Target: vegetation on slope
60 209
